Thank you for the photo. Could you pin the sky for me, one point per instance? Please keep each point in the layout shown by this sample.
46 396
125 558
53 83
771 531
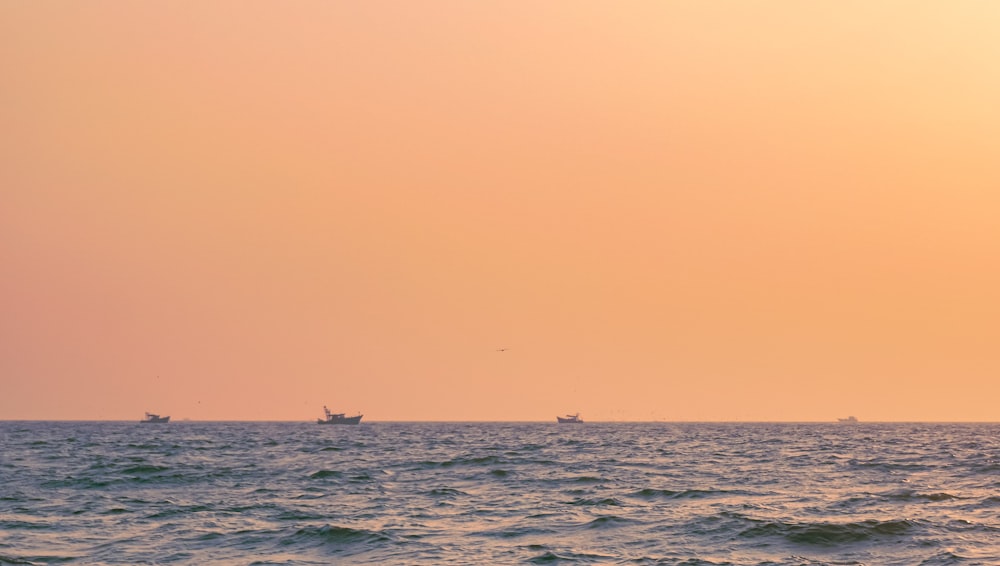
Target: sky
682 211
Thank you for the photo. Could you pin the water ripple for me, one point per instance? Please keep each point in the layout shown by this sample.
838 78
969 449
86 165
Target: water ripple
499 493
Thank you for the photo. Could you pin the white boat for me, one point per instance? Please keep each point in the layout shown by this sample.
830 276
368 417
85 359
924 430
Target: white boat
152 418
338 418
575 419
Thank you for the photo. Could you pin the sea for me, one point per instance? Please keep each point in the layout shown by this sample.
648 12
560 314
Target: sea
499 493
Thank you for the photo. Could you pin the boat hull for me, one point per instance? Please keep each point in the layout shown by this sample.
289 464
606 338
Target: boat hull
341 420
562 420
157 420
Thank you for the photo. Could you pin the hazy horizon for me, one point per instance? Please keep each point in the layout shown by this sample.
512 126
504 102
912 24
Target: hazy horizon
367 421
684 211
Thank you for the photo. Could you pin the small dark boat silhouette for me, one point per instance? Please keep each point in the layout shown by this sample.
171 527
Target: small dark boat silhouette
570 419
338 418
155 419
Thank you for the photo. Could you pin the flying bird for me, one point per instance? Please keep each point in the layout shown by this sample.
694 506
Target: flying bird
502 349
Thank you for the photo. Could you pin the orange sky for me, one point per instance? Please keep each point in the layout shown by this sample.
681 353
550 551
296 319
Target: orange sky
684 210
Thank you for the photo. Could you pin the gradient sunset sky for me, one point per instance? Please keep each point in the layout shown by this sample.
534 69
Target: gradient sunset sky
689 210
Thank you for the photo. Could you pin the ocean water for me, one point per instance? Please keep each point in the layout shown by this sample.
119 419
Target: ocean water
499 493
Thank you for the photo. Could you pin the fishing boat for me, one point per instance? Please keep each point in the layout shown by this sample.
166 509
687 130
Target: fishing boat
848 420
570 419
155 419
338 418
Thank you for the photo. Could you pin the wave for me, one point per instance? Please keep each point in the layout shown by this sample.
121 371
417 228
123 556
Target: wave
990 466
516 532
5 560
900 466
322 474
143 446
480 461
830 534
445 492
28 525
650 493
297 515
608 521
467 461
19 499
145 469
180 511
310 495
946 558
78 483
596 502
337 537
550 557
911 495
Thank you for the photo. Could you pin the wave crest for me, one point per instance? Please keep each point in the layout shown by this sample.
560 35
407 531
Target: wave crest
830 534
650 493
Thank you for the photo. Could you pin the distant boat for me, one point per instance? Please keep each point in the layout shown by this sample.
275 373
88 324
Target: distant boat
153 419
848 420
338 418
570 419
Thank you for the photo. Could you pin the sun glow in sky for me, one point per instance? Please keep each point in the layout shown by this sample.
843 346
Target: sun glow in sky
665 210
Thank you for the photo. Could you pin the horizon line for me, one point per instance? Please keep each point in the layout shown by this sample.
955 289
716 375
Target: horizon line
547 421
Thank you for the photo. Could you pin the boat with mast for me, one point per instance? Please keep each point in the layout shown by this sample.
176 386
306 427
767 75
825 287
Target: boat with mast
570 419
338 418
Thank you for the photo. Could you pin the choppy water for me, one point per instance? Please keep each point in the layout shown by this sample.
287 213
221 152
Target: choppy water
496 493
